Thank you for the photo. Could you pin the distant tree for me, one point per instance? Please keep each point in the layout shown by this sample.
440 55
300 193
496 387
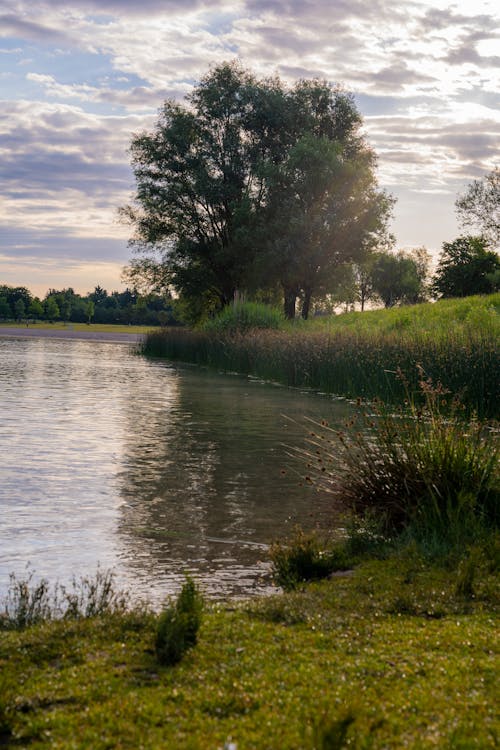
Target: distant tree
65 310
479 207
466 267
19 309
35 310
5 309
14 293
343 292
99 295
51 309
89 310
400 278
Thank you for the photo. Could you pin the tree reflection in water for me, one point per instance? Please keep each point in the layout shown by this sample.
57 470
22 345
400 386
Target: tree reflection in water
202 480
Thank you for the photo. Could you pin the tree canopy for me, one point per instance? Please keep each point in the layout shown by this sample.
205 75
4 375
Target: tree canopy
400 278
249 185
466 267
479 207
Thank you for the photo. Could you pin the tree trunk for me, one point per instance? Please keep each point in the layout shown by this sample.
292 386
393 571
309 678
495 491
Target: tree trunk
306 303
290 294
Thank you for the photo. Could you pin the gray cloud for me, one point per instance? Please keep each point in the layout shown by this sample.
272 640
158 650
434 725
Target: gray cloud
60 245
420 76
12 25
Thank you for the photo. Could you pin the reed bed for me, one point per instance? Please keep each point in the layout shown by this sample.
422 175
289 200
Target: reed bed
457 347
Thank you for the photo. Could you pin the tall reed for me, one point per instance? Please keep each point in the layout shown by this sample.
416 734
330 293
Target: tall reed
347 362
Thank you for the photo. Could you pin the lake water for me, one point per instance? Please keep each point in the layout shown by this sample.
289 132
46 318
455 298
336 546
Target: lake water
146 468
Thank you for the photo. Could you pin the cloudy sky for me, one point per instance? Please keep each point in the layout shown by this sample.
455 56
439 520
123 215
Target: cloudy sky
79 77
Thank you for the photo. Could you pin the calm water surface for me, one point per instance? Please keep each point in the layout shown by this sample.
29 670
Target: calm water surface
146 468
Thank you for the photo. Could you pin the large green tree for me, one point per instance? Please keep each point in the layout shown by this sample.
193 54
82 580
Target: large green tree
200 183
251 184
324 207
466 267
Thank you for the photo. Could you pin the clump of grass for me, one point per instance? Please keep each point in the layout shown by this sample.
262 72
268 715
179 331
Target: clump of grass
423 470
245 316
467 573
178 625
305 557
29 602
92 596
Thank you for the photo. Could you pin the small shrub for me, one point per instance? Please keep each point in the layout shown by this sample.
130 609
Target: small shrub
245 316
305 558
178 625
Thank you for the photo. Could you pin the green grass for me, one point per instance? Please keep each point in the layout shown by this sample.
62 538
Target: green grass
390 655
96 327
245 316
358 354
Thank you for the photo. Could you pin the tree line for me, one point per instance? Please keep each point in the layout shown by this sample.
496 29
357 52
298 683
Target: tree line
17 303
258 190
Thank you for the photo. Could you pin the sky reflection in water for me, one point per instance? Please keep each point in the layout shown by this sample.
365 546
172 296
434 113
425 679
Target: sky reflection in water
153 470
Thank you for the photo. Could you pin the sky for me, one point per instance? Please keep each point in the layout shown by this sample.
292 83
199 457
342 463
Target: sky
79 77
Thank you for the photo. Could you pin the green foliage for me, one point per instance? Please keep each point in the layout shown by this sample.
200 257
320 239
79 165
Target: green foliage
89 310
178 625
479 206
422 469
19 309
305 557
466 267
250 185
399 278
5 309
35 310
245 316
51 309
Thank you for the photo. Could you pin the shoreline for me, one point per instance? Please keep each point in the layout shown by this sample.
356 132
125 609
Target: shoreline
99 336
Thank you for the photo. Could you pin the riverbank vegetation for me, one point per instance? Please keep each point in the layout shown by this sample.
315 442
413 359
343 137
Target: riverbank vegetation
359 354
394 654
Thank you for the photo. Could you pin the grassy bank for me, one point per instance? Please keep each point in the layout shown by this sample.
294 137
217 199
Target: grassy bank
394 654
358 354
